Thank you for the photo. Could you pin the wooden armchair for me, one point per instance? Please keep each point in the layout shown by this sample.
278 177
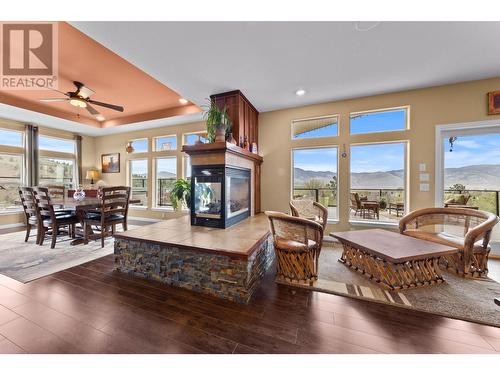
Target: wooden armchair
468 230
297 244
49 221
308 209
113 211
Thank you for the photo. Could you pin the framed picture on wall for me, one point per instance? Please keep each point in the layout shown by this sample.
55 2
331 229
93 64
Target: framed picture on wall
494 103
110 163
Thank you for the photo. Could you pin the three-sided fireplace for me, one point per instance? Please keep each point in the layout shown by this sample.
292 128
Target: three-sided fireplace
220 195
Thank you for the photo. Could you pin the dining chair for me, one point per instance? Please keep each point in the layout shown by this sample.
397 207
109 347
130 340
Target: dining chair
57 194
50 222
28 202
112 211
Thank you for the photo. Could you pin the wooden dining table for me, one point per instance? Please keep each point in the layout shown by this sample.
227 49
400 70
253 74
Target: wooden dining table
82 207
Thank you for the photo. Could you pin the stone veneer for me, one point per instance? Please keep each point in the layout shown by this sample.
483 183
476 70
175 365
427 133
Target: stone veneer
228 277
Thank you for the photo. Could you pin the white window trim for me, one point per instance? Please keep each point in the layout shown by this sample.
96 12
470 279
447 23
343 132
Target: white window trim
392 109
444 131
155 172
129 182
153 141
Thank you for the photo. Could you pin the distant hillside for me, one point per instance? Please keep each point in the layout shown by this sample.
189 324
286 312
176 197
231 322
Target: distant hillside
473 177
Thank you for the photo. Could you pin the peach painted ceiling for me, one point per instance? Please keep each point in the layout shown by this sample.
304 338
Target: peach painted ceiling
113 79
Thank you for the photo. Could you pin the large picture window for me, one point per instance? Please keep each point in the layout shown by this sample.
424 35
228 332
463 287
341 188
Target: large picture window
166 143
11 138
378 187
56 144
315 177
56 171
166 174
140 145
139 181
379 121
11 177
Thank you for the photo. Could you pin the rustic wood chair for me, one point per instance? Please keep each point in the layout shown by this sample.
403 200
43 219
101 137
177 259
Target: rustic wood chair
311 210
113 211
49 221
57 194
297 244
28 202
467 229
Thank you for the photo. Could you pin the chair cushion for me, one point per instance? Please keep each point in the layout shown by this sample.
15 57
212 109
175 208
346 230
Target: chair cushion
97 217
294 245
62 219
444 239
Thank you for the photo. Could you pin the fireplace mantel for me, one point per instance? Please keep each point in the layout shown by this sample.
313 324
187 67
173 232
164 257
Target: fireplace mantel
226 153
218 147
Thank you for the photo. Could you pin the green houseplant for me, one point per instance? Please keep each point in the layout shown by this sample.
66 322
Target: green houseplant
218 122
181 194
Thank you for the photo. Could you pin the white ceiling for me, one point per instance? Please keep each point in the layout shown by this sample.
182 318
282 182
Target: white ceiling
269 61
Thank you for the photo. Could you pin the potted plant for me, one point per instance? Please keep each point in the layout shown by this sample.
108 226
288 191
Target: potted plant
181 194
218 123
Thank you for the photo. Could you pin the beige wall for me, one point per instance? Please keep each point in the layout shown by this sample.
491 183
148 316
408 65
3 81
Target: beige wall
117 142
429 107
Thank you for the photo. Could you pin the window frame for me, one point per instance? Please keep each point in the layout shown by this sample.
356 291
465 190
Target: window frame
406 187
145 204
148 145
22 179
155 183
381 110
292 166
44 150
191 133
153 145
315 118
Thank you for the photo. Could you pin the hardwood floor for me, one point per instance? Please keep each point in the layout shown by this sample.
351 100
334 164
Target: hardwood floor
92 309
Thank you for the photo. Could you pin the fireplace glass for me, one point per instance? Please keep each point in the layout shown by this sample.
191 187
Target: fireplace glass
221 195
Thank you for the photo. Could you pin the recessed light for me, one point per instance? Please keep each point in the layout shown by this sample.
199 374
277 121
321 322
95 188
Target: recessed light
300 92
366 25
100 118
183 101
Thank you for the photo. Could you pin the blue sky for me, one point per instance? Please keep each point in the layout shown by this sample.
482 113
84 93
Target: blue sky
326 131
365 158
11 138
378 122
54 144
473 150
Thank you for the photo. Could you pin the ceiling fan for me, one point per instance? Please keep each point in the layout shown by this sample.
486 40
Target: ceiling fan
81 98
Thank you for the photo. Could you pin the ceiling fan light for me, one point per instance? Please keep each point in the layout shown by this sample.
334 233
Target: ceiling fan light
183 101
78 102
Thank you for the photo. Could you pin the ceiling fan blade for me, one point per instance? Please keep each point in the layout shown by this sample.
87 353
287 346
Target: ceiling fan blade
60 92
92 110
83 90
106 105
53 100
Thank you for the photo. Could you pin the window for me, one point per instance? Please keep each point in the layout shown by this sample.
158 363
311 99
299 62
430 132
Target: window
139 181
140 145
378 182
326 126
315 176
11 138
11 177
190 139
165 143
166 174
56 171
379 121
187 167
56 144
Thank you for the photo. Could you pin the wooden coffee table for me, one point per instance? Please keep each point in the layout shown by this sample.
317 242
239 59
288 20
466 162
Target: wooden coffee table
394 260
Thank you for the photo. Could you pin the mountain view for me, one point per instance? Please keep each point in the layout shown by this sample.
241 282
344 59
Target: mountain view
478 177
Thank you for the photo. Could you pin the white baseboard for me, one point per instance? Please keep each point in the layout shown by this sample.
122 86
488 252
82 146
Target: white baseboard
145 219
14 225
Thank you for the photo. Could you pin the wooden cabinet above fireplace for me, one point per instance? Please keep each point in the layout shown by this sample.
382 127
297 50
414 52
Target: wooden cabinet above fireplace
244 117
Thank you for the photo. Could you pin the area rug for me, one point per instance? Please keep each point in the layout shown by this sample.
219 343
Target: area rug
458 298
26 261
